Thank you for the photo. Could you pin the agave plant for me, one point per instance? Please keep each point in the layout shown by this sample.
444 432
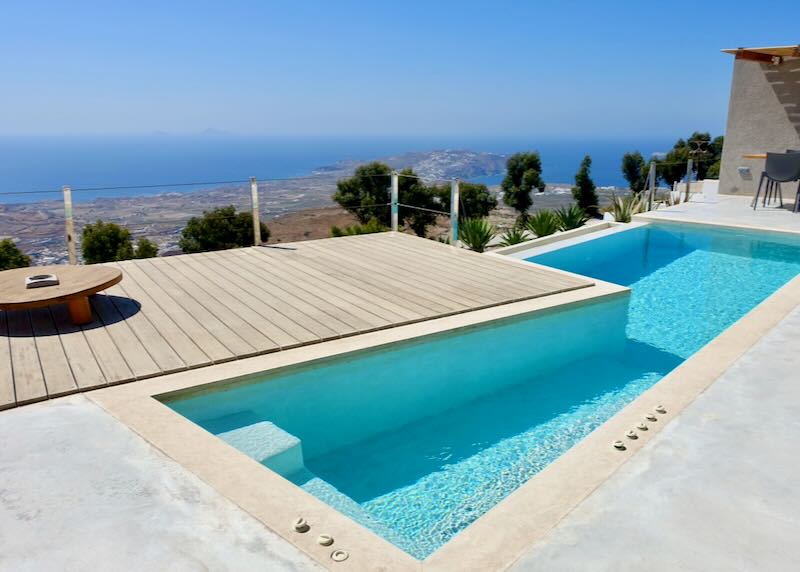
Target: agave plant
623 208
543 223
477 233
571 217
514 235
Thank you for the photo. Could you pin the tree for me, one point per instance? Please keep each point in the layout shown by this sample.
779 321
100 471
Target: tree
370 185
523 174
367 193
219 229
413 191
634 169
145 248
11 256
673 167
584 192
476 201
109 242
105 242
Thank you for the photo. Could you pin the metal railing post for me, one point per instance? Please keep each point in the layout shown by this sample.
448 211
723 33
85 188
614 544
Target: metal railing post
254 208
651 182
395 199
689 167
69 225
454 202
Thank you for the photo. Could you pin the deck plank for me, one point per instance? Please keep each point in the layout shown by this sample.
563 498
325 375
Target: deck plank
28 377
85 368
387 280
58 376
159 349
188 322
262 315
188 351
434 277
322 298
221 303
353 293
299 327
7 397
325 325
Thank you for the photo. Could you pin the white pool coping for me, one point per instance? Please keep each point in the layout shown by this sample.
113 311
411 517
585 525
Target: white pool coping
499 537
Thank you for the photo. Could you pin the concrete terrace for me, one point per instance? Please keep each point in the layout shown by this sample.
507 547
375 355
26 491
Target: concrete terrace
176 313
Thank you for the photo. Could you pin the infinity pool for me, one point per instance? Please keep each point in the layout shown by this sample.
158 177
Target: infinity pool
419 439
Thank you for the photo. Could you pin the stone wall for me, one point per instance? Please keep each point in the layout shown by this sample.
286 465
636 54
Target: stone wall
763 115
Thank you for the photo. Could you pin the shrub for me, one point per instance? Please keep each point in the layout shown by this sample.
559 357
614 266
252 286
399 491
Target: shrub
571 217
11 256
373 225
514 235
109 242
145 248
543 223
477 233
219 229
105 242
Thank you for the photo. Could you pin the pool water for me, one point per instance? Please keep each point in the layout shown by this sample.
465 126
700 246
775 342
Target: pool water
418 439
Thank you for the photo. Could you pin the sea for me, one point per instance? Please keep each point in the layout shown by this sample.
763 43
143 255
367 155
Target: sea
35 168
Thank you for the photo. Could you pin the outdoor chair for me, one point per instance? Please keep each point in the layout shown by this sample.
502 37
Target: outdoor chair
779 168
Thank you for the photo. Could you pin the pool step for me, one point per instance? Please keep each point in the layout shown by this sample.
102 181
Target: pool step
268 444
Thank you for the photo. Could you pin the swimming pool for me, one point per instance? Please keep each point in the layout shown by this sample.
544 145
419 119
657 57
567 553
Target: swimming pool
418 439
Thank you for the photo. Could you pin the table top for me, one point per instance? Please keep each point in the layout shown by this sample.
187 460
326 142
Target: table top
74 282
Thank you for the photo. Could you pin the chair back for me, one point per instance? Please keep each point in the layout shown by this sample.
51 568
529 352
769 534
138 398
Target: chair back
783 167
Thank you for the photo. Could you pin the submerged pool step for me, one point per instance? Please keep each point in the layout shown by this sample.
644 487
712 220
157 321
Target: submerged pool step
268 444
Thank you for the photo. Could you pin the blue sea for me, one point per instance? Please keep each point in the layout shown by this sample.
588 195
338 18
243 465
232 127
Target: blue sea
46 163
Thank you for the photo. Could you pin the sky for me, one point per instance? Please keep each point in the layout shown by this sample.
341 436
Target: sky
319 68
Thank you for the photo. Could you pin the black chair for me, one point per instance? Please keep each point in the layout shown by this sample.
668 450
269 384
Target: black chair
779 168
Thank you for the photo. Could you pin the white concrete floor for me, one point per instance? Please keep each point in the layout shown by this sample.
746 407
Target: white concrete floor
80 491
717 489
733 210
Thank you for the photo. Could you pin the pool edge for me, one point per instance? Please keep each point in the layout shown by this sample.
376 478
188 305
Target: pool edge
497 539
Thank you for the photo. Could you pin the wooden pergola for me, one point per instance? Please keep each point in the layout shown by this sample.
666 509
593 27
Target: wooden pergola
772 55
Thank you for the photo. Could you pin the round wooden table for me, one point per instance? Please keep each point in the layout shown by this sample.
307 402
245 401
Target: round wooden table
76 284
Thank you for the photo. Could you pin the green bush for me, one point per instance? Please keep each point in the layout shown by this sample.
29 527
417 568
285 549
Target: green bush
145 248
11 256
373 225
477 233
514 235
219 229
543 223
109 242
571 217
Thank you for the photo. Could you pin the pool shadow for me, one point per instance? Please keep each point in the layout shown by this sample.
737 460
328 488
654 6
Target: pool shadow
53 320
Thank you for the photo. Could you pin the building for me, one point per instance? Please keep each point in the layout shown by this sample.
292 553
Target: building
763 114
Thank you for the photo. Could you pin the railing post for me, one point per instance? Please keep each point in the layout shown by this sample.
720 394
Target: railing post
255 211
651 182
454 202
395 199
69 225
689 167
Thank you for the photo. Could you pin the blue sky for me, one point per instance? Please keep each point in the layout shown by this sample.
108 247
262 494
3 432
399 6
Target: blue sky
499 68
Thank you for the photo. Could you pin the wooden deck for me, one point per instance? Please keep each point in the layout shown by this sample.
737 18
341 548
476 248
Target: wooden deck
174 313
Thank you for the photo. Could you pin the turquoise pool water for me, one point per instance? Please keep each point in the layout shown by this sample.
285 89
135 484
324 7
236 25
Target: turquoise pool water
419 439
